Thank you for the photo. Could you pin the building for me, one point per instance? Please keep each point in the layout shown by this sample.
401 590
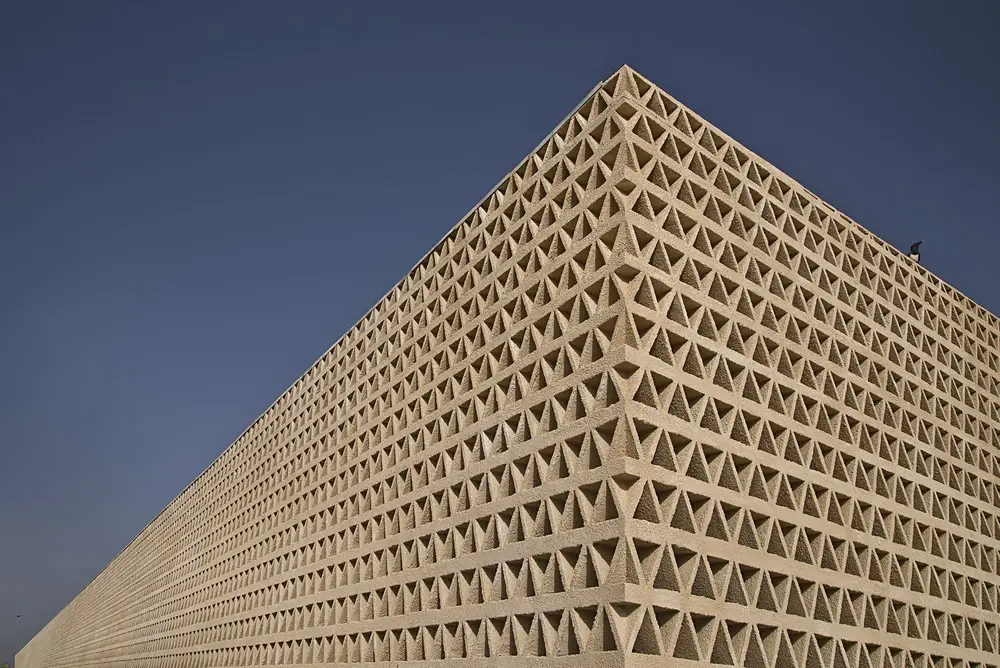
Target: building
650 403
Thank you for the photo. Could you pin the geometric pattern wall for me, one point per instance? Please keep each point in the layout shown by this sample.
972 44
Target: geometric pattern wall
651 403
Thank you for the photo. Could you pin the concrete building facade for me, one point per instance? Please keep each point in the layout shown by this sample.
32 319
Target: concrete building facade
651 403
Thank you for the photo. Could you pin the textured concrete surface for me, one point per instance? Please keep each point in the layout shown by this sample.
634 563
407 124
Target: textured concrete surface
651 403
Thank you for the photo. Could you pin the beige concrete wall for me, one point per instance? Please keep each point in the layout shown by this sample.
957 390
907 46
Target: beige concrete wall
651 403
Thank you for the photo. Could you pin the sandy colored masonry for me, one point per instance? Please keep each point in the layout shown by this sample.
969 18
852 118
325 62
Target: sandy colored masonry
651 403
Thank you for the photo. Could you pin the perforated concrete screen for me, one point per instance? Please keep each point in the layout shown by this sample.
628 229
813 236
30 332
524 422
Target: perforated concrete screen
650 404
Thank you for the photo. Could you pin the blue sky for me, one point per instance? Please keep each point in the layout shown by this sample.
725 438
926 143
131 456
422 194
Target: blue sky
198 199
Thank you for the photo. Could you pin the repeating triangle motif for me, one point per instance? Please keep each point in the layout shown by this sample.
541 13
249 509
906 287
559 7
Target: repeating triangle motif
650 403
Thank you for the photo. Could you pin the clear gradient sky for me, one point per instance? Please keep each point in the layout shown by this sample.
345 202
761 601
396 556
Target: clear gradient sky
198 198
